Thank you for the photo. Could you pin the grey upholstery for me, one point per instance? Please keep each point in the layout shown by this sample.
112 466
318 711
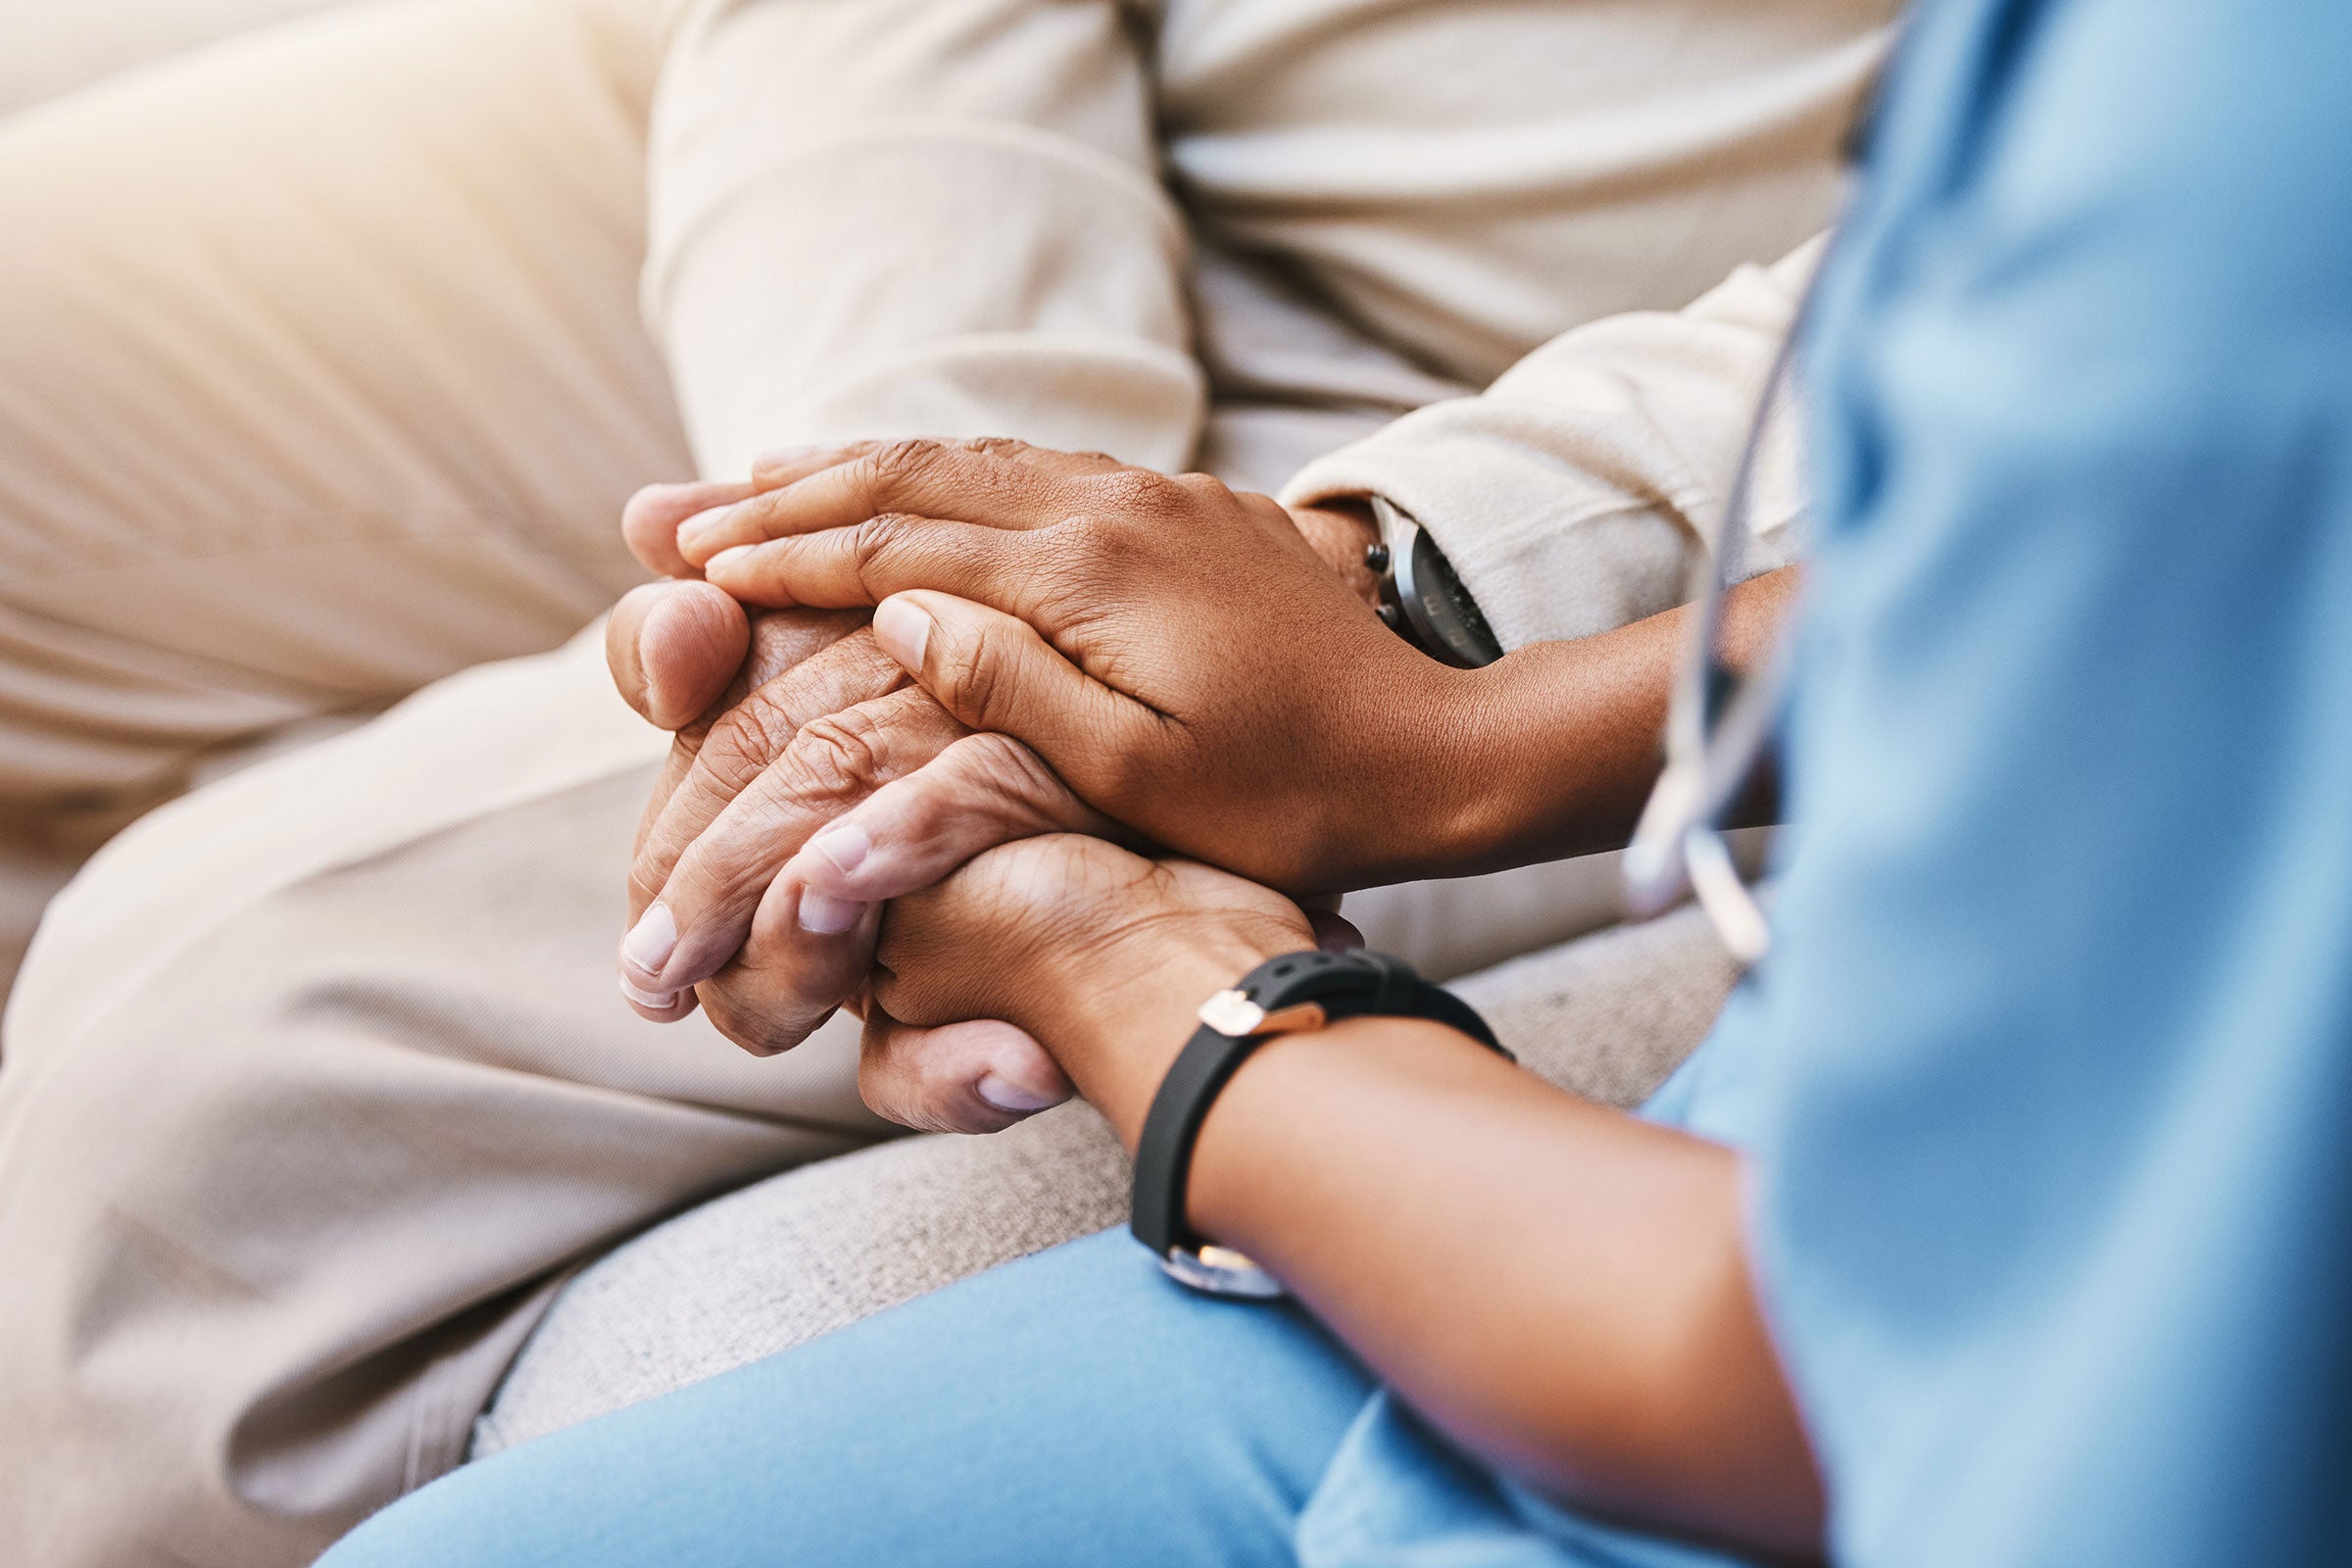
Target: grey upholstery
803 1253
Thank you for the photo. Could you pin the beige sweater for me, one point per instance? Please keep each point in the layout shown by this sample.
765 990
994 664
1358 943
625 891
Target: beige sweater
1575 493
1242 234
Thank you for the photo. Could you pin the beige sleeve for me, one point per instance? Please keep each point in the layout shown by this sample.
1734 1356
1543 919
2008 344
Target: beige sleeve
1573 494
877 218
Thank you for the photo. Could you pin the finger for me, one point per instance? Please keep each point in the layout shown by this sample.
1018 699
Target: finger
705 906
1333 931
781 640
983 790
674 647
783 465
866 562
976 1077
650 519
1000 484
787 979
995 673
748 739
660 1007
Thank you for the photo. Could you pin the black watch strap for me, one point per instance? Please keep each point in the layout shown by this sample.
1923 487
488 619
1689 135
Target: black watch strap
1295 991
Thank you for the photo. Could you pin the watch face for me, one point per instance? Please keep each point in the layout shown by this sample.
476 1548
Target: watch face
1440 610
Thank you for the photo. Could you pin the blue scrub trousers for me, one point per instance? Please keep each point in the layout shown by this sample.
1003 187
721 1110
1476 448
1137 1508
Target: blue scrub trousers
1073 1407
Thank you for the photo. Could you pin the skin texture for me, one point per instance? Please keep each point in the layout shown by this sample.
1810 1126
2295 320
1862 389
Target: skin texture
1393 1174
816 786
1561 1288
771 746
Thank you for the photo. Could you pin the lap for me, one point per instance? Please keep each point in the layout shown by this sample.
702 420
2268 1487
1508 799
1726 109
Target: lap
315 1083
1076 1407
320 375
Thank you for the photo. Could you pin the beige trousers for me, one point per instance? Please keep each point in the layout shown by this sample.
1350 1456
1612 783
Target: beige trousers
324 367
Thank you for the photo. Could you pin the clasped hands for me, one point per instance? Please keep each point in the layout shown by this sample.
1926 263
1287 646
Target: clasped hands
1018 754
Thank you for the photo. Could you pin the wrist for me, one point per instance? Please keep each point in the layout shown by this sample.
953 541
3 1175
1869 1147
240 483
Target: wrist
1342 529
1131 1010
1414 771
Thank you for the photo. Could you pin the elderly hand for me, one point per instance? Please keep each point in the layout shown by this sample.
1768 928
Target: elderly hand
751 776
1174 651
784 720
735 689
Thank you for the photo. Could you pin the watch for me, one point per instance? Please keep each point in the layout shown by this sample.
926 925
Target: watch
1422 596
1294 992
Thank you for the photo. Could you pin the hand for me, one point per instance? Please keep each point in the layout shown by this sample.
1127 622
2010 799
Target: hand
685 656
755 770
1096 955
771 743
1177 653
676 646
1340 531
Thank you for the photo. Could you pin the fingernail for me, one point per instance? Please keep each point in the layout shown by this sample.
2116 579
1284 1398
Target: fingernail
718 562
845 846
902 629
651 942
658 1000
1006 1094
703 525
828 916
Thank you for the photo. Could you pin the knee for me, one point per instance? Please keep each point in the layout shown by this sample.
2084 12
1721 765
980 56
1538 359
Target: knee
136 1059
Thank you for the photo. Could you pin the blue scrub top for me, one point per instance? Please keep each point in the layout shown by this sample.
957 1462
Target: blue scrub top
2047 1084
2048 1080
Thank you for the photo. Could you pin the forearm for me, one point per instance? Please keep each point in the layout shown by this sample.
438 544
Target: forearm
1561 1288
890 217
1552 750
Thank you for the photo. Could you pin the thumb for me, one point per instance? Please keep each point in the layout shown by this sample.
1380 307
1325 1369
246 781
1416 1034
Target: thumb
977 1077
674 647
995 673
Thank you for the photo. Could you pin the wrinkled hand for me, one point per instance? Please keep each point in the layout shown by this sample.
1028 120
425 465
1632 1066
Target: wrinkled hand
1174 651
814 723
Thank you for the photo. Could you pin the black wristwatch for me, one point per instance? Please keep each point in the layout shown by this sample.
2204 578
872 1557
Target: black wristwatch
1422 596
1296 991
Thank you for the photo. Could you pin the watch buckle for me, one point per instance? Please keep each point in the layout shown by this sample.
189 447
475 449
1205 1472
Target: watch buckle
1221 1271
1234 1015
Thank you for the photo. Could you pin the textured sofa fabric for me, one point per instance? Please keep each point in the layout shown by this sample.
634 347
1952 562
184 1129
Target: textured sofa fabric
800 1255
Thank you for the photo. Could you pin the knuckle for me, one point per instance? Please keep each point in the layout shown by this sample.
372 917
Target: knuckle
967 666
1138 490
744 740
896 465
879 538
839 755
646 878
1009 770
1202 486
713 888
881 533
